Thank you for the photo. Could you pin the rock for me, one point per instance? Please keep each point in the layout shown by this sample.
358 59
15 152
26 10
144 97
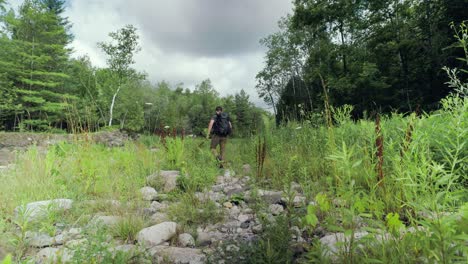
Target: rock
296 187
76 243
233 189
53 255
230 227
244 217
74 232
331 240
203 239
229 173
60 239
40 240
148 193
234 213
177 255
168 180
218 187
228 205
158 218
159 206
271 197
220 180
123 249
276 209
106 220
216 196
186 240
257 229
245 225
246 169
37 210
298 201
157 234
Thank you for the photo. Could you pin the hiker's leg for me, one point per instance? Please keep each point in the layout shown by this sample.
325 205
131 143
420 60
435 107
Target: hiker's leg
222 143
214 144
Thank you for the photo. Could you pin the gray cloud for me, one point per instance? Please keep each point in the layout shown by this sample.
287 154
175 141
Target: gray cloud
184 40
209 27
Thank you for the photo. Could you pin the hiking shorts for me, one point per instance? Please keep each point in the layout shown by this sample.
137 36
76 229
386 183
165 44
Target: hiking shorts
218 140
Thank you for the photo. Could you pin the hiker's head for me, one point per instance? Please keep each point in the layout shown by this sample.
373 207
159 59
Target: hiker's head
219 109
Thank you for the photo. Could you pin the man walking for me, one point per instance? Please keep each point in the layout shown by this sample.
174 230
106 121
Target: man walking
219 128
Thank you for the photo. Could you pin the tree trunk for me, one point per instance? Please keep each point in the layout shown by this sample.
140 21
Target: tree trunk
112 105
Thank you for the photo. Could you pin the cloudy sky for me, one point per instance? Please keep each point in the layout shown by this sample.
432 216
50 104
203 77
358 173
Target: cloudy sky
184 40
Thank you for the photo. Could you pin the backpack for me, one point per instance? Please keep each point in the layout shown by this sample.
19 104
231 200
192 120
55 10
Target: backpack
221 125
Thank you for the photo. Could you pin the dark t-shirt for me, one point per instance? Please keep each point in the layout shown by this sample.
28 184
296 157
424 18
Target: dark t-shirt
214 117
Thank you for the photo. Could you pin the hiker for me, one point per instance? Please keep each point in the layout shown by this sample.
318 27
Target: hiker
219 128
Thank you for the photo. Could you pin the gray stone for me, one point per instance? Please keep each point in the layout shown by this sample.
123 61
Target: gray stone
220 180
186 240
74 232
276 209
234 213
159 206
178 255
216 196
271 197
229 173
244 217
233 189
228 205
203 239
257 229
122 248
168 179
106 220
148 193
157 234
76 243
53 255
245 225
39 240
158 218
218 187
37 210
331 240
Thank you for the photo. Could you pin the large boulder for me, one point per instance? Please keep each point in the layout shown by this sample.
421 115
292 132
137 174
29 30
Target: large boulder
37 210
157 234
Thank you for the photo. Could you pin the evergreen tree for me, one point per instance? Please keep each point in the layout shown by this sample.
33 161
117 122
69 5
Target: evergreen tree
35 66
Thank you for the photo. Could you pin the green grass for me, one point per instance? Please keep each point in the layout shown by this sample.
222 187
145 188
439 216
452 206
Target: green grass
423 173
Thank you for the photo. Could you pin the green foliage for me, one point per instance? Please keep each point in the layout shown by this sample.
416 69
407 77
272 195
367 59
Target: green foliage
376 56
127 228
191 212
7 260
175 152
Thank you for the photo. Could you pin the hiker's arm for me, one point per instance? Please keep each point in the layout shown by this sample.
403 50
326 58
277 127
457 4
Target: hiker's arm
210 125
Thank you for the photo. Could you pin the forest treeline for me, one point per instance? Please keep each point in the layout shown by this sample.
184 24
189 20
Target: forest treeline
44 88
378 56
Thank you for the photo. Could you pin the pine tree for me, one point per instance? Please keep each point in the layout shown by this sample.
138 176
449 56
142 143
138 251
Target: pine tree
35 64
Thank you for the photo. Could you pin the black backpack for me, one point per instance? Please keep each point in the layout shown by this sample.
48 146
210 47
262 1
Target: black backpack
221 125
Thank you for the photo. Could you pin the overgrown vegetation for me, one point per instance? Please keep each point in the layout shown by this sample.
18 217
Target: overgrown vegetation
389 188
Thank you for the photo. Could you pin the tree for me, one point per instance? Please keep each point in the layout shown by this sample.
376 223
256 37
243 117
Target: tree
120 58
34 63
